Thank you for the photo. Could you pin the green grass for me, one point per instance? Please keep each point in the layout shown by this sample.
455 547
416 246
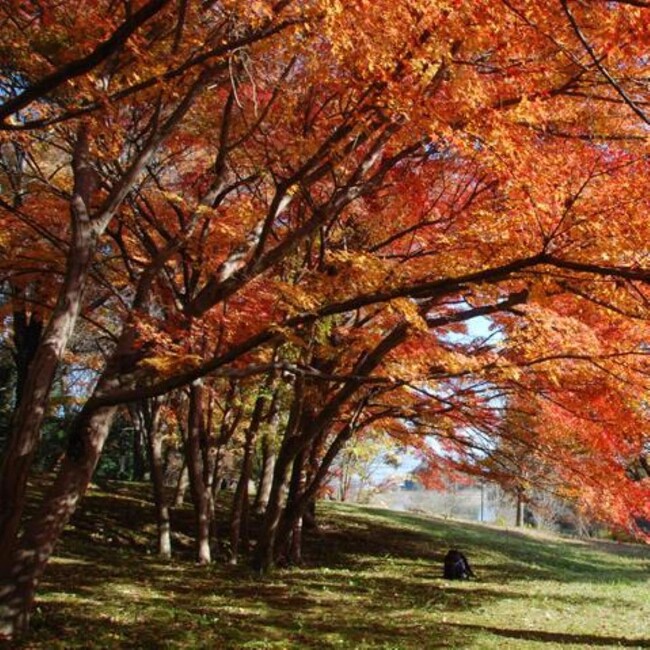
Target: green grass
371 580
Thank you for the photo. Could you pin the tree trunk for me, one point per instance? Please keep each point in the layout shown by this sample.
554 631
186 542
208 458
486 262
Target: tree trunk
521 505
24 434
139 454
304 501
195 467
27 337
229 423
163 522
266 476
293 543
18 583
22 568
310 522
312 425
21 564
154 438
217 473
181 486
239 513
265 551
268 456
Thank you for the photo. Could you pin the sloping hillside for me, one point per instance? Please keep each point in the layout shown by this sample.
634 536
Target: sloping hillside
372 579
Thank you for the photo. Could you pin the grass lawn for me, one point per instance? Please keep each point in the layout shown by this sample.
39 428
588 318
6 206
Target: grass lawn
371 580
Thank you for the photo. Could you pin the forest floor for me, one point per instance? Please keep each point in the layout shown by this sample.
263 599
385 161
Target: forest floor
371 579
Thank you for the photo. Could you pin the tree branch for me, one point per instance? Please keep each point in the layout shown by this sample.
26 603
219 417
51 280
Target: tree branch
80 66
597 62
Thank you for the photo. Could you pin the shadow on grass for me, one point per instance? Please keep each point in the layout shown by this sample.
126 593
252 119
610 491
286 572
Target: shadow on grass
586 640
175 606
355 594
372 579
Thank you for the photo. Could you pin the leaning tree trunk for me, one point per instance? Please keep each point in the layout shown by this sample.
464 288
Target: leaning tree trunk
20 571
24 434
28 560
311 423
265 550
21 564
366 365
303 500
22 568
276 529
86 228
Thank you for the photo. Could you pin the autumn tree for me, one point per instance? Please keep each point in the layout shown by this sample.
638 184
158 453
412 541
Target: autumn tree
352 181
